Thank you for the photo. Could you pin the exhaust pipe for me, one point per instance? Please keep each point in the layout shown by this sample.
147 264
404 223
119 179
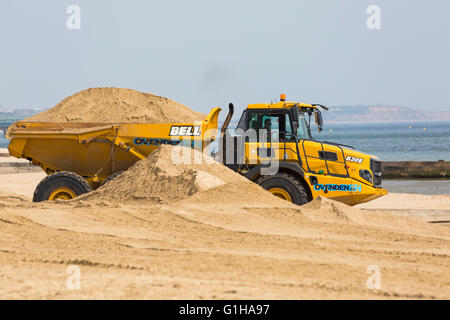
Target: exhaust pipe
223 140
227 119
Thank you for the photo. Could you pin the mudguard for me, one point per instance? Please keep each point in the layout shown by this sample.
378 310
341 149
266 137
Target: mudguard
255 172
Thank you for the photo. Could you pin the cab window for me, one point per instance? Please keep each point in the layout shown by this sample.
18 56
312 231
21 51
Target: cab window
302 130
276 124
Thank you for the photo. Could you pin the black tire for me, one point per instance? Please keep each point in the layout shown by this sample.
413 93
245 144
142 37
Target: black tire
289 183
112 176
62 179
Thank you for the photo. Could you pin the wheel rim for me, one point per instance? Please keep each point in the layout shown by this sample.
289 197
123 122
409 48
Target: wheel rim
280 193
62 194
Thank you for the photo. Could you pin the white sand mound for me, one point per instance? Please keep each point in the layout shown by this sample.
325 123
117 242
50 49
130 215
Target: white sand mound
109 105
173 173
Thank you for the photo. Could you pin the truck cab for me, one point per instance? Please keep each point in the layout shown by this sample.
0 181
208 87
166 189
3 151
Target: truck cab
273 146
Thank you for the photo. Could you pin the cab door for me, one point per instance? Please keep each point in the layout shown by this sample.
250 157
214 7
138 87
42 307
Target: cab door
323 158
269 136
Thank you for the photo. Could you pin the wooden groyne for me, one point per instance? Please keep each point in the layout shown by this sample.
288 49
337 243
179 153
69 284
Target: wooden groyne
416 169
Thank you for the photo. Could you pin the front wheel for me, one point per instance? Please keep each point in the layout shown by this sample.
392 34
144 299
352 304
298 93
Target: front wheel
61 185
285 186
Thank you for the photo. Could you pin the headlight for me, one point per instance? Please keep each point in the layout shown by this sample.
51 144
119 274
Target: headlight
375 166
366 175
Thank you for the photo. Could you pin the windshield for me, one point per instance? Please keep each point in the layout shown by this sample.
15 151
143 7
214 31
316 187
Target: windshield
303 131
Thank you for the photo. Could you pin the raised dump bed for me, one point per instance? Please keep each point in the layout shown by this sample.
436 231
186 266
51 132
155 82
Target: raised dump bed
79 157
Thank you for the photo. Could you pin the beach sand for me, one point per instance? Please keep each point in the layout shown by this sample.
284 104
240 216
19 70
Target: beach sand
219 243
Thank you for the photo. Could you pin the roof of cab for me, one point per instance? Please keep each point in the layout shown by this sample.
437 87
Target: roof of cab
280 105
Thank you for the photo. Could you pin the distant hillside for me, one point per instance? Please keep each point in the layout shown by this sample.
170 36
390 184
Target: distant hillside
381 113
17 114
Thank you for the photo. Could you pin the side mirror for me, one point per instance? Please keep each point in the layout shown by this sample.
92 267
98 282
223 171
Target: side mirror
318 120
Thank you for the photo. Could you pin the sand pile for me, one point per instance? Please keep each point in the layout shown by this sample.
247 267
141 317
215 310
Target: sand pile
215 236
8 199
109 105
171 174
324 209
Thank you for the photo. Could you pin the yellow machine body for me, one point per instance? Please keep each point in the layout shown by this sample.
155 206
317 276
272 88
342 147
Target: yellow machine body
95 151
325 169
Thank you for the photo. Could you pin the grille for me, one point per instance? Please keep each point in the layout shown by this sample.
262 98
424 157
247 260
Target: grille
375 166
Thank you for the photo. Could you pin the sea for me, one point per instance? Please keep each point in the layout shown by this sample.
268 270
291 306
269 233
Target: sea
399 141
3 142
393 141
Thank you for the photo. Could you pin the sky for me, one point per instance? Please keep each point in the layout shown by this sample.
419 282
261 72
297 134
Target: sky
208 53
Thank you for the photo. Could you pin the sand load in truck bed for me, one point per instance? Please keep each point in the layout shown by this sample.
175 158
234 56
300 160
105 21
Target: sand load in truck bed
172 174
117 105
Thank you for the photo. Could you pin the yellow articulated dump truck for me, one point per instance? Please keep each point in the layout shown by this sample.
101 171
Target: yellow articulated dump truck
272 145
80 157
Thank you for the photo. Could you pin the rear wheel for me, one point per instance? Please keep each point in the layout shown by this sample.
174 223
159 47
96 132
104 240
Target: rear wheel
285 186
61 185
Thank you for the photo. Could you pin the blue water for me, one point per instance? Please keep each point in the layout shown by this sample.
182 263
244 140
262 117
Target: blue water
388 141
422 186
3 142
393 141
